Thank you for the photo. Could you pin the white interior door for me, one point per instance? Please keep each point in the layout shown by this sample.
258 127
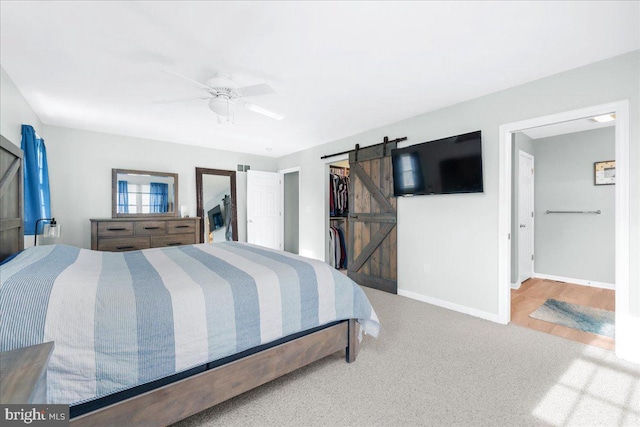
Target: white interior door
525 216
264 209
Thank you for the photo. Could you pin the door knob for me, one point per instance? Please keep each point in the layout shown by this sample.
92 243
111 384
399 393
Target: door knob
522 225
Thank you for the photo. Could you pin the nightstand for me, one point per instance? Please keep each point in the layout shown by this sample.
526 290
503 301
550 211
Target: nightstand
23 374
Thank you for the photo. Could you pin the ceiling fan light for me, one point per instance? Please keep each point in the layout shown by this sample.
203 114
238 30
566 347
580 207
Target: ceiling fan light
221 106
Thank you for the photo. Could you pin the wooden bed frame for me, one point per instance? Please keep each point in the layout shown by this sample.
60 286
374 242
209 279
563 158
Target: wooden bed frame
181 399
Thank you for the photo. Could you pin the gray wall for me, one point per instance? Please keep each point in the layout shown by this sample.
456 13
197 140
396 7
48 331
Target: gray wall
576 246
15 111
526 144
80 164
291 212
448 244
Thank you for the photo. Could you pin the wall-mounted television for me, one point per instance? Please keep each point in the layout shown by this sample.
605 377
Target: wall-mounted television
444 166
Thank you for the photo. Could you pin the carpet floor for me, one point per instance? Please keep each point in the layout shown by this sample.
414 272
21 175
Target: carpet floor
436 367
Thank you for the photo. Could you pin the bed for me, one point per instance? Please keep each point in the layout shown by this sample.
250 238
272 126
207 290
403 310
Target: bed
153 336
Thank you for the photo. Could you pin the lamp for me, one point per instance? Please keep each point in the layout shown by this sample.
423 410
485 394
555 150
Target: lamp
222 106
50 230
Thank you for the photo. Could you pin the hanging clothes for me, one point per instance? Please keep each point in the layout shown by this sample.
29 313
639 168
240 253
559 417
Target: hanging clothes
343 248
338 207
338 195
332 202
337 247
332 248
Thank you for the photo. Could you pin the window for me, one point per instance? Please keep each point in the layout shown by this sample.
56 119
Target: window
408 168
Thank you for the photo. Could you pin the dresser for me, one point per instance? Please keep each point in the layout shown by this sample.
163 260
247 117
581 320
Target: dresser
129 234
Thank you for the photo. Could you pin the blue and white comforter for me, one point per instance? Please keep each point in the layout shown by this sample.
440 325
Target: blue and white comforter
123 319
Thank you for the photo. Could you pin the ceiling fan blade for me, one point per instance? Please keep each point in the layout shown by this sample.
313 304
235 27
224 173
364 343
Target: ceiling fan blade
257 109
256 90
202 85
171 101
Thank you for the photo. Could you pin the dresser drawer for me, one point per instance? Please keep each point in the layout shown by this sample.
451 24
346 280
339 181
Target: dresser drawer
115 228
150 228
130 234
172 240
181 227
121 244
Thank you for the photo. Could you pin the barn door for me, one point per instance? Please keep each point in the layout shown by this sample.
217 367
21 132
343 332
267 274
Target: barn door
372 219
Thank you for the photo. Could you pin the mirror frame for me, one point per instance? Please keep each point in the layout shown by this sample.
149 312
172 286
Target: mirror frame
200 202
114 194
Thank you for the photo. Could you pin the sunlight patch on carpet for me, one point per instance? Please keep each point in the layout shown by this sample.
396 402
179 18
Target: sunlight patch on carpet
582 396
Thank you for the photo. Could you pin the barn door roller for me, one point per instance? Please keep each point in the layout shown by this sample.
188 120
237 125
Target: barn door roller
384 148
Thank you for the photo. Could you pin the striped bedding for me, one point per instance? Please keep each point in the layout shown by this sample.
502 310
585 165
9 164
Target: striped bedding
124 319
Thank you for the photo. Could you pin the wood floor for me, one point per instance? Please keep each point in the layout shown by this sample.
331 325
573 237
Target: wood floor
534 292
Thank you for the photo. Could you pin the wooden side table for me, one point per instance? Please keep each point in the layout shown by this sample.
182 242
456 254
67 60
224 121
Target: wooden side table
23 374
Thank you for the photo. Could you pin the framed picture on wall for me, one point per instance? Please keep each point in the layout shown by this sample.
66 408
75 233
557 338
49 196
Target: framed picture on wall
604 173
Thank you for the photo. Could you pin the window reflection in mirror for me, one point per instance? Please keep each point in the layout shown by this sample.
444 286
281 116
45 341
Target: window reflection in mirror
142 193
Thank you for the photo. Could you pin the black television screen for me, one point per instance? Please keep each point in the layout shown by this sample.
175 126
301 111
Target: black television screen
215 218
445 166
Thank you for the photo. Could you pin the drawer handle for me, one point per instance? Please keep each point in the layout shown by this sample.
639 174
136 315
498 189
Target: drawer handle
183 226
116 229
174 244
125 247
151 228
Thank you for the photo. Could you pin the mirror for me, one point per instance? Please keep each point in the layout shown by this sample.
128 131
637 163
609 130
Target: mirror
216 205
143 193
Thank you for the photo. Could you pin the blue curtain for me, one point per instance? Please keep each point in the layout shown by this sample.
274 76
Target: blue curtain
123 197
37 203
159 199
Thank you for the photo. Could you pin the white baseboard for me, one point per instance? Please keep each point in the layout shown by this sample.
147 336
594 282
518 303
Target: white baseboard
582 282
516 285
450 306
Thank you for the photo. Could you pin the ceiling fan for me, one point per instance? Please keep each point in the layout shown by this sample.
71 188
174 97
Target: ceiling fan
225 95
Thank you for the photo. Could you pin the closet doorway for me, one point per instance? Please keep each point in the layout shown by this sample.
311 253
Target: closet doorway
338 233
216 205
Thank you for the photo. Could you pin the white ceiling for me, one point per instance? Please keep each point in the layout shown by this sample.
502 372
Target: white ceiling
339 68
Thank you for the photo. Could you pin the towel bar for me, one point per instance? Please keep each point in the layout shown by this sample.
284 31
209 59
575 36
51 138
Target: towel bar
598 212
